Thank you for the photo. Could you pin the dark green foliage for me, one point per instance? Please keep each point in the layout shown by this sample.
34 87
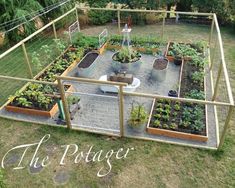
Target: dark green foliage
100 17
86 41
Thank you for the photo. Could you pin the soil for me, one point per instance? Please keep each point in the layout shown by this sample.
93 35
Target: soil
88 60
160 64
187 83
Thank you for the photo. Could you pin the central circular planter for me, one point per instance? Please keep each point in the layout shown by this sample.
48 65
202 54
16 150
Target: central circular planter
129 67
159 70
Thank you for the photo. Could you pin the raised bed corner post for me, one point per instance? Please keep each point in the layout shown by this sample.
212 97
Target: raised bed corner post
65 103
27 60
226 125
119 21
163 25
217 82
54 29
121 110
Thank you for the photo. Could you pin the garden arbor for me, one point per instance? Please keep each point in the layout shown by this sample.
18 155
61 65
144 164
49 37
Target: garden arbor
218 94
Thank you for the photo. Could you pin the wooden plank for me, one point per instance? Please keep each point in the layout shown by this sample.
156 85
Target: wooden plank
27 60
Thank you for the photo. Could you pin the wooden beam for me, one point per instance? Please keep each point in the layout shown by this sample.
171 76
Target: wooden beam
65 103
119 21
91 81
148 11
175 98
163 26
213 53
121 110
230 95
27 60
54 30
211 33
27 80
217 82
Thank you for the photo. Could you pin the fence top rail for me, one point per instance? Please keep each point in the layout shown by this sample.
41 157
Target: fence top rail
176 98
147 11
27 80
92 81
229 90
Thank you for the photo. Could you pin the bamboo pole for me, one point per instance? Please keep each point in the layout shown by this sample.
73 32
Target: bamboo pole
54 30
217 82
163 26
119 21
226 125
27 60
211 33
121 110
65 103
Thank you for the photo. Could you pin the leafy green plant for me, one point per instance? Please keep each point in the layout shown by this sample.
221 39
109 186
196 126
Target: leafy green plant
197 126
195 94
126 55
21 101
175 114
138 115
159 110
177 107
165 126
87 42
158 116
156 123
173 126
166 118
198 77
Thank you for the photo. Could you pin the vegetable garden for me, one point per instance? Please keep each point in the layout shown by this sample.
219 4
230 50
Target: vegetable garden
161 89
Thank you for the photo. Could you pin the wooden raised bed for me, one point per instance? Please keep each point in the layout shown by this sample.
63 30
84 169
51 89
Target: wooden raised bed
35 112
176 134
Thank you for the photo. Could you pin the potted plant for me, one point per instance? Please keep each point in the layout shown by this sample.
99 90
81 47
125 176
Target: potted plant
138 118
178 59
126 59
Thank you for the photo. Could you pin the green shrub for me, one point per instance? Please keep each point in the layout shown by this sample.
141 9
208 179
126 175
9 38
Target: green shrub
2 182
97 17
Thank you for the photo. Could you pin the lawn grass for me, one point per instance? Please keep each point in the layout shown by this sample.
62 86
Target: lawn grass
151 164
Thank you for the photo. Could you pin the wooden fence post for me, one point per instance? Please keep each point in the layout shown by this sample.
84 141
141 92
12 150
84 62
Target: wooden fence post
226 125
217 82
54 30
27 60
65 103
163 26
119 21
211 33
121 110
